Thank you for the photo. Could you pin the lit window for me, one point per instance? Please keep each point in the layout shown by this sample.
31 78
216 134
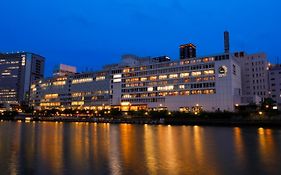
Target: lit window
59 83
161 77
149 89
117 76
182 75
173 76
196 73
143 79
82 80
51 96
152 78
165 88
117 80
209 72
181 86
100 78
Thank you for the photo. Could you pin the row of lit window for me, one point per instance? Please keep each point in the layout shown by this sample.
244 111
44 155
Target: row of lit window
8 62
171 93
7 93
77 103
164 83
86 80
144 100
59 83
51 96
80 94
50 104
195 61
9 102
171 76
7 96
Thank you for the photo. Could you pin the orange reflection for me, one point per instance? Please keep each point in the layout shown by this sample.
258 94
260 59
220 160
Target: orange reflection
149 143
267 148
239 147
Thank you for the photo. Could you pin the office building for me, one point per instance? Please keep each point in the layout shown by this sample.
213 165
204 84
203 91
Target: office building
72 91
275 84
207 83
254 75
17 72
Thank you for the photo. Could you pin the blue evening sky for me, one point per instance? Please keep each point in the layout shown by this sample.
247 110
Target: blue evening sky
91 33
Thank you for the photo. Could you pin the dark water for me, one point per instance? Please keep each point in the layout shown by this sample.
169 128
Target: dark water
81 148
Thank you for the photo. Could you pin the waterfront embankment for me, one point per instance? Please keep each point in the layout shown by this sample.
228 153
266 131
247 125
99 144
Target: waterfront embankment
233 121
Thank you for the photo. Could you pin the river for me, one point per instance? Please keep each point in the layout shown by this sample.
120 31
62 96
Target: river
89 148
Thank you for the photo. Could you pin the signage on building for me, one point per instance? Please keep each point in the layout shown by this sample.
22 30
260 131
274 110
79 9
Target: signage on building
222 71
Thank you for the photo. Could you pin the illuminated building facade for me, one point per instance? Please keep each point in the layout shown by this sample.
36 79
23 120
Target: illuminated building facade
17 72
76 91
191 83
207 83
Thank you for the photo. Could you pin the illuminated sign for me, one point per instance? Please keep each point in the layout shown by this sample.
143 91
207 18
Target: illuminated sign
222 71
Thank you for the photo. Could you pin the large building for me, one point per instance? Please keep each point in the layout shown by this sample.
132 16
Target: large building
77 91
275 84
207 83
191 83
17 72
254 71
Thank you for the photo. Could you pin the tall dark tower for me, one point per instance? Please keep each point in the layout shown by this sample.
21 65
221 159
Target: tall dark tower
226 42
187 51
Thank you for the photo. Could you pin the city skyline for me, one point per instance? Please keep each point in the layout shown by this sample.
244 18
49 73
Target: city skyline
91 31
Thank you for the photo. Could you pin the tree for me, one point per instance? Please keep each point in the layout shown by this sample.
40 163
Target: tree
267 104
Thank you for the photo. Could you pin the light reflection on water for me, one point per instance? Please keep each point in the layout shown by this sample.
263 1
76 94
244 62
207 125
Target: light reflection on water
88 148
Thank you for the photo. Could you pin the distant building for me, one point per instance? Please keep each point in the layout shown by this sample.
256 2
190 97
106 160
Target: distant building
63 69
254 69
17 72
187 51
275 84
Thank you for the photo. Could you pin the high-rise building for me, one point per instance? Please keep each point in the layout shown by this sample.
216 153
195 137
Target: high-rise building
17 72
187 51
275 84
254 69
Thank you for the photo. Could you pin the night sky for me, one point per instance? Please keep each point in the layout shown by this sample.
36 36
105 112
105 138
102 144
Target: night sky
91 33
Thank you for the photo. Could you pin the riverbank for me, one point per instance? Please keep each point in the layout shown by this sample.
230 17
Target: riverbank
258 121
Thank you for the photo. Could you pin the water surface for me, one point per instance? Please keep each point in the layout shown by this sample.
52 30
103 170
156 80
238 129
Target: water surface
88 148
